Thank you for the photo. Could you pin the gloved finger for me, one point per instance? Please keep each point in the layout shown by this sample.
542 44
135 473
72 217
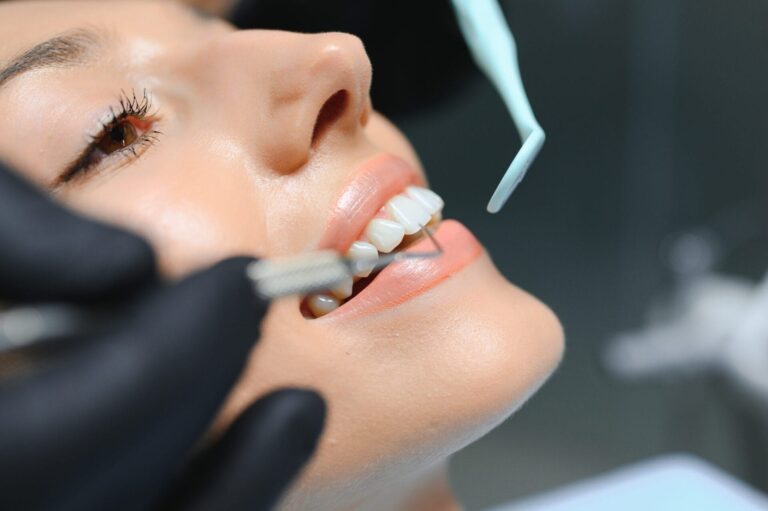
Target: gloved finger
48 253
121 411
256 459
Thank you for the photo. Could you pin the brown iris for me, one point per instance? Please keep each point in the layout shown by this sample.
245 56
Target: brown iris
124 136
119 136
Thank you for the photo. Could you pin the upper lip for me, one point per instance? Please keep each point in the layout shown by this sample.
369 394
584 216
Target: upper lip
372 184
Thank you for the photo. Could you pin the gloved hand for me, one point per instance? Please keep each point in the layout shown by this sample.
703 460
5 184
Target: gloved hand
110 422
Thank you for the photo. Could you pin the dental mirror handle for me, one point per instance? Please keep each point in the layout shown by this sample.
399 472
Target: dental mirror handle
493 47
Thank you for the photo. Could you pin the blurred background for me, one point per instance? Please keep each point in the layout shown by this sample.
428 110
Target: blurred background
656 115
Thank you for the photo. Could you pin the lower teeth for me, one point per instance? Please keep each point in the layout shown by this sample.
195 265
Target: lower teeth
320 305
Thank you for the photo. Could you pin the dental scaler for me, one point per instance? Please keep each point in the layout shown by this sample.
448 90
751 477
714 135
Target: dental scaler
317 271
493 47
26 326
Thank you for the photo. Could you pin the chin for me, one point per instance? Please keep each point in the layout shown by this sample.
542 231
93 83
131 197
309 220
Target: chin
427 378
508 343
482 347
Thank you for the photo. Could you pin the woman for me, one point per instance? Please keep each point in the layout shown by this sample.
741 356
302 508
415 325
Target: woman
211 143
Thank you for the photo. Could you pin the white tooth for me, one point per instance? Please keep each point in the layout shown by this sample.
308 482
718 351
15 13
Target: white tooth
363 250
431 201
320 305
343 290
407 212
436 219
384 234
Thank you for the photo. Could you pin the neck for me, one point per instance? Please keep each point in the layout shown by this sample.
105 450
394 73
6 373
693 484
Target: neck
429 491
434 494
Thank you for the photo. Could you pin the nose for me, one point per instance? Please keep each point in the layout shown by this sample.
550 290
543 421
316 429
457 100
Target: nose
294 92
324 91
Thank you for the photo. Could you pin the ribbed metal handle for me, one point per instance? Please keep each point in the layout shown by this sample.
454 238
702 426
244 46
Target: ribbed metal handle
302 274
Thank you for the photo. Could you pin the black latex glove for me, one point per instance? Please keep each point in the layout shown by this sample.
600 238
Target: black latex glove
418 54
110 423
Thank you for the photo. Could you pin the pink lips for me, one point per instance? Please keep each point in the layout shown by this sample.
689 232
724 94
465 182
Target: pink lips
374 183
404 280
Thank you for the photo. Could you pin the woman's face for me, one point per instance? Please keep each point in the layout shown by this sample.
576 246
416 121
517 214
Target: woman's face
211 142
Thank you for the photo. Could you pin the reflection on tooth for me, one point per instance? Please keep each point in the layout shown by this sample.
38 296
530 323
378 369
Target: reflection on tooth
384 234
363 250
320 305
408 213
431 201
343 290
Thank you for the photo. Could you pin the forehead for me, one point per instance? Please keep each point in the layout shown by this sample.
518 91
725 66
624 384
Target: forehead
25 24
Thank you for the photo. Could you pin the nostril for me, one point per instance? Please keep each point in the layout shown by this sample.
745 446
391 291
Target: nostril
331 111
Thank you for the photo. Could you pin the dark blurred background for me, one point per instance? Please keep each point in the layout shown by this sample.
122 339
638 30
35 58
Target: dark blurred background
656 113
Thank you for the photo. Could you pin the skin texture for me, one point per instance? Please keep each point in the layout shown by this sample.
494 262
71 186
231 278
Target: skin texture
235 171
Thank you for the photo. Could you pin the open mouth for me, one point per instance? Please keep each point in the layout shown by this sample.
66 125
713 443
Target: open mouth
395 227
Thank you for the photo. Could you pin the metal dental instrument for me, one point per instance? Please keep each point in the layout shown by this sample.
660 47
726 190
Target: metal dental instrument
317 271
28 326
495 52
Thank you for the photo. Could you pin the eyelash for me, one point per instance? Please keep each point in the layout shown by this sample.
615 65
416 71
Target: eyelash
130 106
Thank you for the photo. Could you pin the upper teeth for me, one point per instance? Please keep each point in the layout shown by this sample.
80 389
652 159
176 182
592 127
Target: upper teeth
385 234
362 250
427 198
407 214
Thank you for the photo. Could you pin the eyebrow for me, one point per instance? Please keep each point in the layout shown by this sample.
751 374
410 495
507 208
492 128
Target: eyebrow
72 48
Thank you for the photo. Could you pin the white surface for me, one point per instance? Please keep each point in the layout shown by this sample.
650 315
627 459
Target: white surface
668 483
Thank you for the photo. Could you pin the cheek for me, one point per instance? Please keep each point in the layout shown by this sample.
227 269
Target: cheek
191 212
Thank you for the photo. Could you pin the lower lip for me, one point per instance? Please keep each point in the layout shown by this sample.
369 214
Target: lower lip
401 281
